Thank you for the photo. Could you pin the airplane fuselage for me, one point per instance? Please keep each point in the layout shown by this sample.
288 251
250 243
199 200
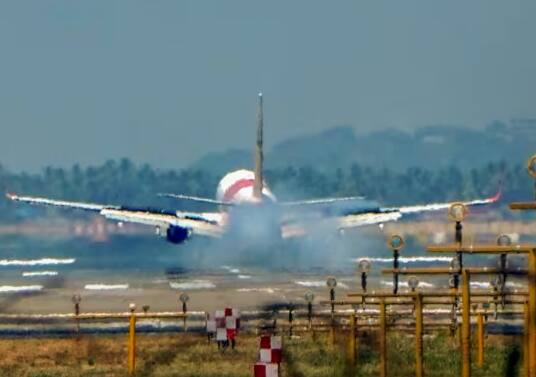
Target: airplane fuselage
237 187
249 217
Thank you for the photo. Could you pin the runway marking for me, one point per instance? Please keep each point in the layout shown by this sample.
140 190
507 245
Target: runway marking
39 273
105 287
36 262
21 288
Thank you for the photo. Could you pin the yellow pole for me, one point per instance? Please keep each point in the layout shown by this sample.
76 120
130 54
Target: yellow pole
332 325
132 344
352 340
418 336
526 341
332 335
466 325
331 339
383 340
480 323
532 313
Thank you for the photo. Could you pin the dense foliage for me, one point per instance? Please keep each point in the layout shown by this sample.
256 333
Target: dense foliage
123 182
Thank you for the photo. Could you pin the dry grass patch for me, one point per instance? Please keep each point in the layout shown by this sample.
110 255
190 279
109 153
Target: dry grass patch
189 355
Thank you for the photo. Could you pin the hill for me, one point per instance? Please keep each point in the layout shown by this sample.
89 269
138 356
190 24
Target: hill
431 147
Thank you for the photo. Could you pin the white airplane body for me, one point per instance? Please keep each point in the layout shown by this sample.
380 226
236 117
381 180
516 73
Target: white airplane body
245 199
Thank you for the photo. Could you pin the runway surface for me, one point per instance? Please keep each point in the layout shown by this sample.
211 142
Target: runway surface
41 274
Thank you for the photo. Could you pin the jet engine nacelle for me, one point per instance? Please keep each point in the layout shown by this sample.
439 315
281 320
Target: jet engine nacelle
177 234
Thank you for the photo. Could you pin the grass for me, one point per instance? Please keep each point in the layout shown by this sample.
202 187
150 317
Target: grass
189 355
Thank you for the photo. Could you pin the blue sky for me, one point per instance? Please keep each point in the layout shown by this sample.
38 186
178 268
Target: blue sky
166 81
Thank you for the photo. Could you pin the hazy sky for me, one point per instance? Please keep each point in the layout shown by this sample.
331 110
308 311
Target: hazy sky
166 81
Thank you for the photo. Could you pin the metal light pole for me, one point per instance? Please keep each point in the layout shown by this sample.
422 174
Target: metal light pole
76 299
331 282
184 298
396 243
364 269
457 213
309 297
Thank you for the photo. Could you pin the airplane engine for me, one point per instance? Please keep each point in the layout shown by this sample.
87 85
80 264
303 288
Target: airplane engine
177 234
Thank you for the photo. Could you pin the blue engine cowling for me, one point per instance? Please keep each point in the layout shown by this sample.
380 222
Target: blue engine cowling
177 234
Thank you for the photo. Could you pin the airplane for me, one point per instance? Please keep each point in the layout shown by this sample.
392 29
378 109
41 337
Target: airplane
246 205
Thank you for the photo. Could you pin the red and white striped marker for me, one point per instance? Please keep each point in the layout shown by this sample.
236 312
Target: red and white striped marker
271 350
225 324
265 370
270 355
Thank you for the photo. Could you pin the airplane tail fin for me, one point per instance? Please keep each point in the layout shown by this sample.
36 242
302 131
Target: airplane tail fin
259 157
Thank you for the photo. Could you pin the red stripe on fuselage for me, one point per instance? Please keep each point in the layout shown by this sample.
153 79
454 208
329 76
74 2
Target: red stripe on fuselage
235 187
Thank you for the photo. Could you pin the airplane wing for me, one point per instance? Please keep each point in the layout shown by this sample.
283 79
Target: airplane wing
387 214
321 201
298 203
204 223
376 216
195 199
440 206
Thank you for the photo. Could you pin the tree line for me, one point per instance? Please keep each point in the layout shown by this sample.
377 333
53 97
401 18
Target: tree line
124 182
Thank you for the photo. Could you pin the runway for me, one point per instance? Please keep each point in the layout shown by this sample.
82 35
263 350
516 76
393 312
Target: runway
41 274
